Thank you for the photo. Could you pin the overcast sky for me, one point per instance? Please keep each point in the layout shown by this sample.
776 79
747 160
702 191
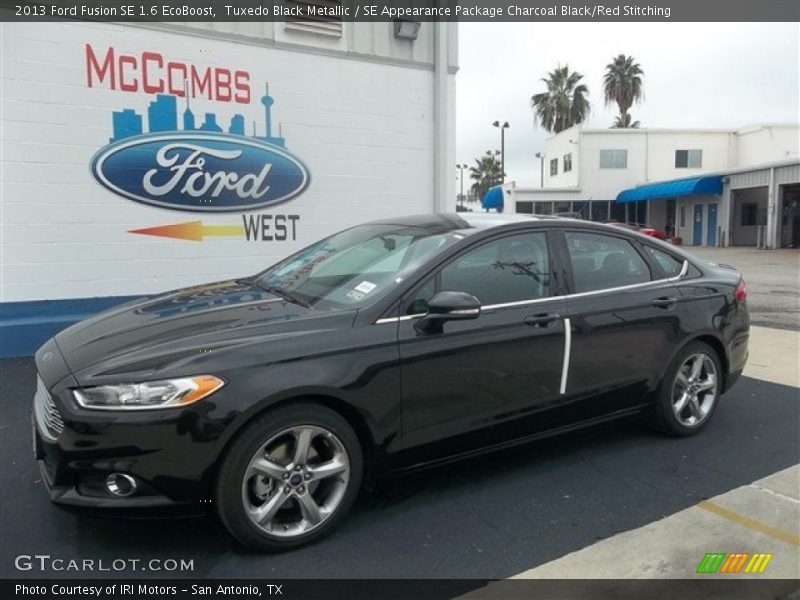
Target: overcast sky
695 75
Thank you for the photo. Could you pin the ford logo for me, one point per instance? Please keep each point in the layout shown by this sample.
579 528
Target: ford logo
200 171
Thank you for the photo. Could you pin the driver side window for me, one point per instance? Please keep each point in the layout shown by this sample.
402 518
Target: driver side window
508 269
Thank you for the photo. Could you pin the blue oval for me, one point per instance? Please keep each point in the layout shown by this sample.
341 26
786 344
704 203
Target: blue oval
200 171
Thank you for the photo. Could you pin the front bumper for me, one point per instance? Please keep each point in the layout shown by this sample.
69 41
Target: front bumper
170 453
84 488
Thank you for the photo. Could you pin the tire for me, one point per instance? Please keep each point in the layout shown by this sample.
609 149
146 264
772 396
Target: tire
266 500
678 415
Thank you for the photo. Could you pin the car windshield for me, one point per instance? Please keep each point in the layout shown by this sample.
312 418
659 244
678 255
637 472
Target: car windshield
355 266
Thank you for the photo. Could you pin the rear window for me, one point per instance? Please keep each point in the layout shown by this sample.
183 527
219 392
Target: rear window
668 263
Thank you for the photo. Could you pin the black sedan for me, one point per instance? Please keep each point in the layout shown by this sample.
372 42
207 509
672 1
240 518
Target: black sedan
391 346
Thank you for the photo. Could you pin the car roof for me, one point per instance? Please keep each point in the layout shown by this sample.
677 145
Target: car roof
468 220
486 220
469 223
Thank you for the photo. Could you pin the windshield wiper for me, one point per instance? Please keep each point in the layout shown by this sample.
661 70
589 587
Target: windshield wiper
281 293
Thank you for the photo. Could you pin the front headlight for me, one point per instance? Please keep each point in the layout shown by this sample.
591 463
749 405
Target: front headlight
151 394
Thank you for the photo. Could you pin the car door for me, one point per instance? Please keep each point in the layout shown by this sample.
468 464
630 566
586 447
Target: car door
623 322
469 385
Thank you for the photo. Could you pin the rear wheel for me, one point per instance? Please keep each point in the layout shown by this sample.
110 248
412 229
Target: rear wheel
289 478
690 391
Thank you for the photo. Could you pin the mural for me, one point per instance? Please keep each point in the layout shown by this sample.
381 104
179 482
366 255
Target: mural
182 161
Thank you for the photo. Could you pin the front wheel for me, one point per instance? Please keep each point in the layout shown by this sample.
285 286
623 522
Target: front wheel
289 478
690 391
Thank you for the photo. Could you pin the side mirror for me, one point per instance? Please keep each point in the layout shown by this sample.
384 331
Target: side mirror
448 306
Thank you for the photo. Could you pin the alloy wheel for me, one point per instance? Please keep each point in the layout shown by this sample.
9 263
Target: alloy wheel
694 391
296 481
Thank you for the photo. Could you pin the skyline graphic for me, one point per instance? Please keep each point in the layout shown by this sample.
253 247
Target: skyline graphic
162 116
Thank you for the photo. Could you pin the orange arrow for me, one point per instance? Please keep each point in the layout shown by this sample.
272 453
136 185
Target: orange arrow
191 230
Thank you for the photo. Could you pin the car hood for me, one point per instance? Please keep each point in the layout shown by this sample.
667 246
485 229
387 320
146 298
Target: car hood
156 335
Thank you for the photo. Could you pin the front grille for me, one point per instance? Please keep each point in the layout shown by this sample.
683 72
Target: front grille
47 416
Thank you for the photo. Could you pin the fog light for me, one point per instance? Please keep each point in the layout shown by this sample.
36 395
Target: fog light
121 485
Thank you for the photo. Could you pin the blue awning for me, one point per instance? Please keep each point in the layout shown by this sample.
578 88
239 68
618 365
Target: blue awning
673 189
493 198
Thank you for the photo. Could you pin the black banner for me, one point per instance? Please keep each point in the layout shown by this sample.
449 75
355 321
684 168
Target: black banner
389 589
376 10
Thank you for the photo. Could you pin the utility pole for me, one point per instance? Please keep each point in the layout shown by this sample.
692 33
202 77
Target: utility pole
541 156
461 168
503 128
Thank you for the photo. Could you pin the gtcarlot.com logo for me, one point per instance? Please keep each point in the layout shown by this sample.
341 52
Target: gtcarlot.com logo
735 562
46 562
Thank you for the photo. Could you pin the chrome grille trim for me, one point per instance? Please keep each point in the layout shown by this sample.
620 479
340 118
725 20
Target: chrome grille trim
48 418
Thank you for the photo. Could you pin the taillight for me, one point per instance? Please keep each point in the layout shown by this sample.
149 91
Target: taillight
741 291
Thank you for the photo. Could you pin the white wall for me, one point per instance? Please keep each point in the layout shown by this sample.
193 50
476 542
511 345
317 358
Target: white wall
716 148
605 184
364 128
567 142
362 40
763 144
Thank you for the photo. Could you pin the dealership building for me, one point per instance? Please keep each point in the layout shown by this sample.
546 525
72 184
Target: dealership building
142 158
738 187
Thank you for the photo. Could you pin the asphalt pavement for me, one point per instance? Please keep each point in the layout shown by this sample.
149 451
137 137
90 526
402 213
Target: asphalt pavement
491 517
773 282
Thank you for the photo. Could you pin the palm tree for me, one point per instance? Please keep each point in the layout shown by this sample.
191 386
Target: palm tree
622 84
486 173
621 122
564 104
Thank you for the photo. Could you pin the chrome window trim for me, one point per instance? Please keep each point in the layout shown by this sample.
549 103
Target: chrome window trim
521 302
679 276
397 319
491 307
567 350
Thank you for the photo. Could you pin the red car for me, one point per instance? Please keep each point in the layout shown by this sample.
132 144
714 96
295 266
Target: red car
656 233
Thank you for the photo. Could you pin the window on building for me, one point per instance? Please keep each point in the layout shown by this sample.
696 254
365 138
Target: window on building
562 207
525 208
688 159
543 208
669 226
613 159
316 20
568 162
599 210
553 167
603 261
637 212
581 209
617 212
752 215
683 216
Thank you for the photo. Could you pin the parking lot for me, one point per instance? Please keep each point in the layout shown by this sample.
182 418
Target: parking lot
490 518
493 517
773 280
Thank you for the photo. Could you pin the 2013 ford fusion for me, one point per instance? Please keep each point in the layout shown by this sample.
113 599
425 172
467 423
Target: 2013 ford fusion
390 346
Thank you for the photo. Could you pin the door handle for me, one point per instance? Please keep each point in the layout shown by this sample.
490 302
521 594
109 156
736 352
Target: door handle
665 302
542 319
